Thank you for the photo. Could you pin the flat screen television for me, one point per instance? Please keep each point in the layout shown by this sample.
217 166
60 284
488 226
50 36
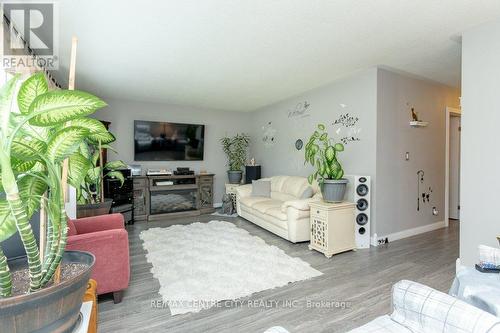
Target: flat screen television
162 141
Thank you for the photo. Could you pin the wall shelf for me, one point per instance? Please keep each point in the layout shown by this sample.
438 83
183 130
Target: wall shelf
419 123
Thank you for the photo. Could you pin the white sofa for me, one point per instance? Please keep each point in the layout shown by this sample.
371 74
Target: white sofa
286 212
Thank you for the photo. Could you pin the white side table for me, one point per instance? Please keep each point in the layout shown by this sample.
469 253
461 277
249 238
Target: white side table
231 191
332 227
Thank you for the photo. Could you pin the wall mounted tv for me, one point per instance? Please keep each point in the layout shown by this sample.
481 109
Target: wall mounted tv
162 141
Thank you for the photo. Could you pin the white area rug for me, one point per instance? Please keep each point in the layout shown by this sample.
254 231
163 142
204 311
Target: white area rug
202 263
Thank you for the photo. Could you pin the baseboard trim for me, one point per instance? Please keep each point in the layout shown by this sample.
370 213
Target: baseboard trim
410 232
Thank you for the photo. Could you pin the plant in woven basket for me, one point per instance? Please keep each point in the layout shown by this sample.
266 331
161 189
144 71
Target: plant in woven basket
39 131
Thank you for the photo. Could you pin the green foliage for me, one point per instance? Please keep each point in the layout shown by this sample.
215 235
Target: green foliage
321 152
236 148
88 172
50 127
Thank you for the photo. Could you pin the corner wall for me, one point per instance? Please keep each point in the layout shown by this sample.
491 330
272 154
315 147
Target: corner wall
397 187
356 95
122 113
480 159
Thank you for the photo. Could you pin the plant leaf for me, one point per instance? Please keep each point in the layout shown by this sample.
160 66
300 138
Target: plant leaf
330 154
21 166
339 147
117 175
65 142
34 86
56 107
27 148
94 174
113 165
77 169
103 137
85 150
30 190
7 222
6 98
321 127
97 130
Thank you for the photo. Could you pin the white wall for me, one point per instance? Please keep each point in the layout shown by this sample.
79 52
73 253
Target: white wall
480 160
397 178
357 92
122 113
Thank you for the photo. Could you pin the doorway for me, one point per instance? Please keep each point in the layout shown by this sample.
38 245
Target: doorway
452 193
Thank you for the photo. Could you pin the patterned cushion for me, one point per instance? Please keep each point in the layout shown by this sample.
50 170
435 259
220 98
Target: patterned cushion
425 310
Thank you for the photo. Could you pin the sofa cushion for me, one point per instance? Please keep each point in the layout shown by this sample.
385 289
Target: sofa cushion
261 188
282 196
282 224
264 206
307 193
250 201
277 213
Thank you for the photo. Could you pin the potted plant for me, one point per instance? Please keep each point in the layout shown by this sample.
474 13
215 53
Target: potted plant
37 137
321 152
235 149
89 190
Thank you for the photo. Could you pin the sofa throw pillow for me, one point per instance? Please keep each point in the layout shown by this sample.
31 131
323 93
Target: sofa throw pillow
307 193
261 188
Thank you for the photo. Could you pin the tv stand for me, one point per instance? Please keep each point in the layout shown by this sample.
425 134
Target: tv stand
169 196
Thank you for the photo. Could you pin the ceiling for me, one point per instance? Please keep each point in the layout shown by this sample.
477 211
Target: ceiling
242 55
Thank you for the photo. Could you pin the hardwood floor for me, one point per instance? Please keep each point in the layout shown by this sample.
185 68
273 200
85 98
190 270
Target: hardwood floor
363 279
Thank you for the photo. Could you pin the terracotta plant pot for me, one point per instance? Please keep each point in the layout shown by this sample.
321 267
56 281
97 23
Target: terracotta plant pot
87 210
55 309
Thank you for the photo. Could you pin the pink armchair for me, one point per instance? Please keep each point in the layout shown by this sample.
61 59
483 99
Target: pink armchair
106 238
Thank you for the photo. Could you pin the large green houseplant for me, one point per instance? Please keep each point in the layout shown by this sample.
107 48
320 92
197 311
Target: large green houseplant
235 148
89 190
39 130
321 152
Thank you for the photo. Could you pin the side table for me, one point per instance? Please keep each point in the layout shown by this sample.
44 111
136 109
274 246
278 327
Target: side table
231 191
332 227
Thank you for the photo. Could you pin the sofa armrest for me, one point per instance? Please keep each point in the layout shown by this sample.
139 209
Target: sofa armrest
111 250
244 191
99 223
300 204
423 309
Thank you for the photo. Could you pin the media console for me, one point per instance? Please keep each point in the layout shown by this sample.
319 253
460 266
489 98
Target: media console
167 196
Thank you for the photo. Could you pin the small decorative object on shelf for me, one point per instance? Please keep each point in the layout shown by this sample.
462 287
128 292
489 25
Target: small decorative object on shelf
332 227
415 122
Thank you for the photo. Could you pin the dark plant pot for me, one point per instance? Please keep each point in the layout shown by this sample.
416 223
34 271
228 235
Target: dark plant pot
55 309
235 176
87 210
334 190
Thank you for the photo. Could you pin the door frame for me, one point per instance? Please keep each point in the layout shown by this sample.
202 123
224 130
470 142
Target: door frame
450 112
